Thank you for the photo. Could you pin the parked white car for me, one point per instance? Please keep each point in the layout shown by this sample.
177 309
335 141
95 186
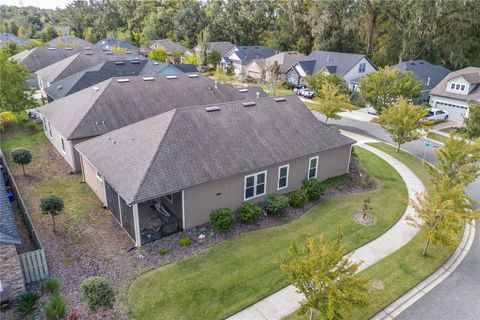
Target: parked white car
372 110
437 114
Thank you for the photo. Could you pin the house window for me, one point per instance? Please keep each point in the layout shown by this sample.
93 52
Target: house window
462 88
282 177
457 86
255 185
169 197
312 168
45 125
63 145
99 177
452 87
361 67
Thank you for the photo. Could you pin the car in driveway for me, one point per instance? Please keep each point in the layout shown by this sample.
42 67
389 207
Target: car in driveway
372 110
299 88
437 114
307 93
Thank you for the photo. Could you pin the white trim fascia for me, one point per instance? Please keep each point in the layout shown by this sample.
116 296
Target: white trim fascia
278 177
316 168
255 176
74 166
119 209
183 210
349 158
136 223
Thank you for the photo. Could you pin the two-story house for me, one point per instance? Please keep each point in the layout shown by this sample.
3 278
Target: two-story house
456 92
240 57
259 69
351 67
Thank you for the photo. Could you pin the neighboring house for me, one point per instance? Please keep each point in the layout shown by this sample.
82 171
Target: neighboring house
76 63
11 278
222 47
426 72
118 102
241 56
68 41
170 47
351 67
258 69
456 91
107 44
169 172
5 38
110 69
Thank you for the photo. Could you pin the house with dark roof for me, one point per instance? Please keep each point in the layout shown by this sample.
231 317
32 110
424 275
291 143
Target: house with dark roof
118 102
78 62
11 278
456 92
110 69
108 43
71 41
258 69
168 172
171 47
241 56
222 47
350 66
5 38
429 74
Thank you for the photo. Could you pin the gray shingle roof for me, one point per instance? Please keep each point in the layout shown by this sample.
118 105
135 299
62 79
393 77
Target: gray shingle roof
40 57
70 41
248 53
423 70
222 47
107 44
190 146
79 62
340 62
169 46
111 105
8 228
285 59
471 74
8 37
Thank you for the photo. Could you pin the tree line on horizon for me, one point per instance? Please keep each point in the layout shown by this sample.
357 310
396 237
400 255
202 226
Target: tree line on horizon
388 31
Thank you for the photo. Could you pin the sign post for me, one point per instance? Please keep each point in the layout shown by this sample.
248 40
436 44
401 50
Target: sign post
427 144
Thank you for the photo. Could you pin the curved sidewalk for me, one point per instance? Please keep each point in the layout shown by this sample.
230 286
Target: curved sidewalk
284 302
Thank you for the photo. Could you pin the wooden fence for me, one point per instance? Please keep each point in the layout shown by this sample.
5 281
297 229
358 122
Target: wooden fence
34 265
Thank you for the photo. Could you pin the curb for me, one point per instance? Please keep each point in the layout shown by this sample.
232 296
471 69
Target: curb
417 292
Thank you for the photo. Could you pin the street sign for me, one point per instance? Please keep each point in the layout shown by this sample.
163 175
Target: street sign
427 143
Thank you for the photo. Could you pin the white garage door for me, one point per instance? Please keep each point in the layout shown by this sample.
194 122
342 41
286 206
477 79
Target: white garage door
455 112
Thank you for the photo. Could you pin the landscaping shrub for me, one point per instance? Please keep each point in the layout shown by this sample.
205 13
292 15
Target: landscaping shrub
51 285
26 302
163 251
298 197
32 126
314 189
222 219
288 85
275 204
56 308
21 157
185 242
248 212
97 293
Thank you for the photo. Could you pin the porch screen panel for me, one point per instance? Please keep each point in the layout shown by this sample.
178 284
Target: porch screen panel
112 201
127 218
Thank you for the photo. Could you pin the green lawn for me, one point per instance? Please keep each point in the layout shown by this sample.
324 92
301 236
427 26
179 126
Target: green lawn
405 268
236 273
437 137
279 91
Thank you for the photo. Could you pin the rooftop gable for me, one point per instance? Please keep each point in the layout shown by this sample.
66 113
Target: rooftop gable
428 73
469 74
248 53
319 60
169 46
68 41
40 57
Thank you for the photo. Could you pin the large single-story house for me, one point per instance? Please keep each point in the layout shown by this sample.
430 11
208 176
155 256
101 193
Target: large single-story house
108 43
78 62
429 74
240 57
111 69
66 40
350 66
258 69
168 172
222 47
5 38
11 277
456 92
118 102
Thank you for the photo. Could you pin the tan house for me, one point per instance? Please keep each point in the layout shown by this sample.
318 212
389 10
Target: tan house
168 172
258 69
171 47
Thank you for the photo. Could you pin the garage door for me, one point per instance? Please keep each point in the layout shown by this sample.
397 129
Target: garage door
455 112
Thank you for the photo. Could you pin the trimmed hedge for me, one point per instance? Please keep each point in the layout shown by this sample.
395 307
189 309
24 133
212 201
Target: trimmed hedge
275 204
297 198
314 188
222 219
248 212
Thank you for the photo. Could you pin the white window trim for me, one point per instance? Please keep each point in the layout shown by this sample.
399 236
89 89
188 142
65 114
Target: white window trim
278 180
309 168
255 176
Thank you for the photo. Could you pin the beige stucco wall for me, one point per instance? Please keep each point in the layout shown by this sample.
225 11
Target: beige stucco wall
10 272
200 200
90 176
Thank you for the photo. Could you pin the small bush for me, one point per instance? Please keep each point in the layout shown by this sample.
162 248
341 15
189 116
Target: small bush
222 219
298 197
97 293
51 285
248 212
275 204
32 126
56 308
185 242
163 251
314 189
288 85
26 302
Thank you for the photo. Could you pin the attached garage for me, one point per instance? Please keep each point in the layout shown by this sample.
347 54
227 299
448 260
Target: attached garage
455 112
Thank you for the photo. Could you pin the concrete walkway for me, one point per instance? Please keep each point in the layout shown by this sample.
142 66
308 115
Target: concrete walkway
286 301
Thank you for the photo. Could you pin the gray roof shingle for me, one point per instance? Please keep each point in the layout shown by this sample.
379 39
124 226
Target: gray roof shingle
423 70
69 41
169 46
190 146
40 57
8 227
111 104
107 44
338 62
248 53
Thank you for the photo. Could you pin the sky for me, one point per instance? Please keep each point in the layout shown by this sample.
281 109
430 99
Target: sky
48 4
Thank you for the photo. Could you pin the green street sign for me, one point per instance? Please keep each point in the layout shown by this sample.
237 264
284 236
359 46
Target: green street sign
427 143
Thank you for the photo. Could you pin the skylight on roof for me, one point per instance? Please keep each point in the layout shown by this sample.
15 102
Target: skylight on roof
193 75
51 48
172 77
68 48
119 62
243 90
123 80
135 62
279 99
212 109
248 104
148 79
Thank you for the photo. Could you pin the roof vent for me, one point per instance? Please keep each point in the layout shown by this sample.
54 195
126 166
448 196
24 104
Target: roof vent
248 104
155 63
279 99
193 75
51 48
103 121
212 109
123 80
148 79
135 62
119 62
172 77
110 53
59 86
96 88
88 48
128 52
68 48
243 90
88 53
421 62
258 95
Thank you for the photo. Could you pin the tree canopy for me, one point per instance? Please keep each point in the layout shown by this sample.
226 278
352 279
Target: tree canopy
52 205
332 101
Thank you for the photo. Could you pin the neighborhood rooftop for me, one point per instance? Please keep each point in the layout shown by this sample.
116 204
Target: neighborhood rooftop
40 57
428 73
194 145
118 102
470 74
335 62
68 40
248 53
107 44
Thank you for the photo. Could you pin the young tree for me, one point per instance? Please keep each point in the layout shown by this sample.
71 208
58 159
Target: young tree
326 279
21 157
316 81
97 293
117 49
332 101
274 72
402 121
176 56
213 59
230 69
52 205
202 44
381 89
159 54
192 59
472 123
